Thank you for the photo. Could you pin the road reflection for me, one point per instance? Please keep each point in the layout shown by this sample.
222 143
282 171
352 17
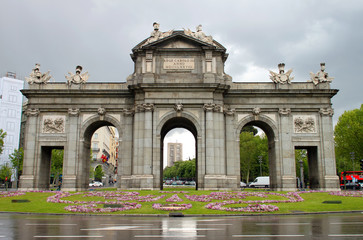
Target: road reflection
316 226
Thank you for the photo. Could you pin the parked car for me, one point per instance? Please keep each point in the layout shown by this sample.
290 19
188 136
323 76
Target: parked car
96 184
242 185
263 182
189 183
168 182
351 185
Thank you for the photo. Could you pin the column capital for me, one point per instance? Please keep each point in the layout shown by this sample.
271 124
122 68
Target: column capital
209 107
148 107
284 111
229 111
32 112
73 112
326 111
129 112
218 108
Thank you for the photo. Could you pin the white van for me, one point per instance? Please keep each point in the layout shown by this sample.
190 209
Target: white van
263 182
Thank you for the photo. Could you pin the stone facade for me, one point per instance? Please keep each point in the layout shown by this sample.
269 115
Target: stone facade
179 81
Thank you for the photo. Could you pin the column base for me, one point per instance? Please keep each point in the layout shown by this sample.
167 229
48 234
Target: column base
220 182
137 182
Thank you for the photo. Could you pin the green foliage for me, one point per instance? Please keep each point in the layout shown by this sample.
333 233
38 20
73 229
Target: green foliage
16 159
5 171
302 154
56 167
349 140
181 170
251 148
2 137
99 173
91 173
250 129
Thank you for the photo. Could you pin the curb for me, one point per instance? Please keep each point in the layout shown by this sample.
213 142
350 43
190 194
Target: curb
188 215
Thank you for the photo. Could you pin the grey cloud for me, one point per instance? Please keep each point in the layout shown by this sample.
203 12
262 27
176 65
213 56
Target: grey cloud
99 35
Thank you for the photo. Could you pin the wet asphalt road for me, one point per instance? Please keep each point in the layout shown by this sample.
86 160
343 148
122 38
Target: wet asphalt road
316 226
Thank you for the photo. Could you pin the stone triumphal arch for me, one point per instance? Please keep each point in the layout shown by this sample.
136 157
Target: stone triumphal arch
178 81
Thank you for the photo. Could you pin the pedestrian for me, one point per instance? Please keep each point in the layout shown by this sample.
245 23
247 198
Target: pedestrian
59 185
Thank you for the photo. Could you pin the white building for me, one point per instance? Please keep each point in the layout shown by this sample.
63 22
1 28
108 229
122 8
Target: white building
105 142
10 113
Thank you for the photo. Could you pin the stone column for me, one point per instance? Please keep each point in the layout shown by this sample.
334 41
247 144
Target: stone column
209 138
331 180
232 154
149 108
287 160
219 131
126 150
31 157
70 160
138 151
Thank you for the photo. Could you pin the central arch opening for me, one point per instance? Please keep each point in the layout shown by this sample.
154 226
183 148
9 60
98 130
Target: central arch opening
177 153
257 155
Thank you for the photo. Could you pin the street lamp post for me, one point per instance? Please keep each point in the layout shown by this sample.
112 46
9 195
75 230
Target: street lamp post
352 156
260 161
302 173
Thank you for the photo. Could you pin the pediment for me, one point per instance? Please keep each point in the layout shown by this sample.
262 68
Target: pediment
177 40
178 43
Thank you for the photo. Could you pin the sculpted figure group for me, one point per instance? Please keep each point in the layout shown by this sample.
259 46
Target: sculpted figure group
37 77
283 78
320 76
77 78
157 34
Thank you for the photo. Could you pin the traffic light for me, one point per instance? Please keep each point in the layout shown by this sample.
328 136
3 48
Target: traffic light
361 164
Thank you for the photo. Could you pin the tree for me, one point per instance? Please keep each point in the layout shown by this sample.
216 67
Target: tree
349 140
5 171
250 129
253 148
16 159
2 137
181 169
56 167
99 173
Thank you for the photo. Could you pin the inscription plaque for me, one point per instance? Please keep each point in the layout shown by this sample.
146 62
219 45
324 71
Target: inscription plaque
179 63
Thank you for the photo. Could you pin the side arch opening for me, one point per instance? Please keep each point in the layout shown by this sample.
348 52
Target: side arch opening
179 124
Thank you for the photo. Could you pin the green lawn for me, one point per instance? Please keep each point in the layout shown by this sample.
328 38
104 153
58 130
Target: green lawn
313 202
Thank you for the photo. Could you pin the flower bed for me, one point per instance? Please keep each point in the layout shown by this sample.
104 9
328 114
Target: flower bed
252 208
171 206
11 194
348 194
92 208
291 197
174 198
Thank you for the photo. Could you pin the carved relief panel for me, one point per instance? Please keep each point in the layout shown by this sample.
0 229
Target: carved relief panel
304 124
53 124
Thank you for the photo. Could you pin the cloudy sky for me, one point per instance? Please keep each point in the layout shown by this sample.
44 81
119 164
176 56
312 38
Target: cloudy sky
99 35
